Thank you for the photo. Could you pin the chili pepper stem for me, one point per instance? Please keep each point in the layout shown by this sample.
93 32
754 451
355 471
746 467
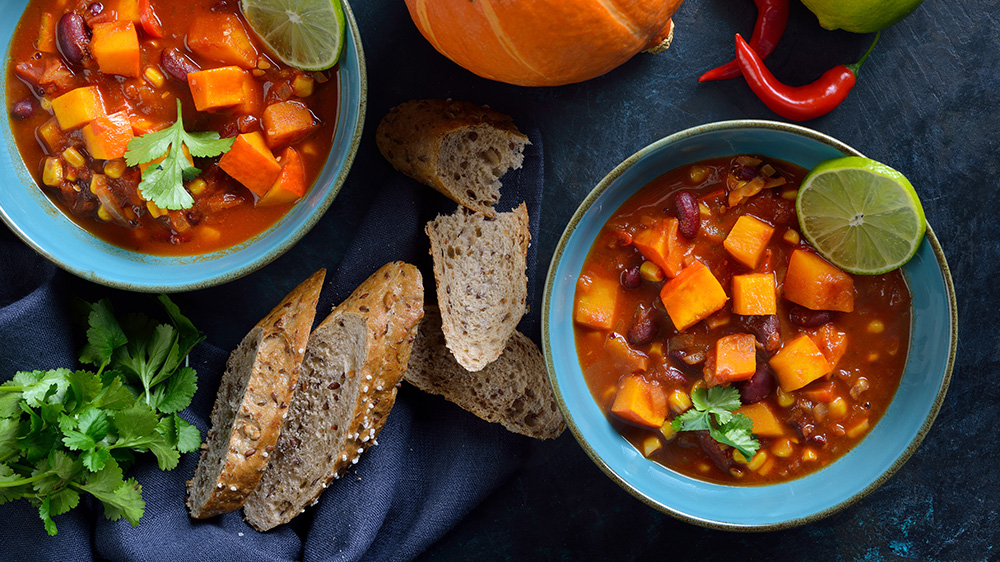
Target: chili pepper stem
856 67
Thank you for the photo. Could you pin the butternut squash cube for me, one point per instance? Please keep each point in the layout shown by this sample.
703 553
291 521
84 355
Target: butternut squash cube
107 136
251 163
765 423
253 97
692 296
832 342
596 300
127 10
218 88
221 37
291 183
661 244
78 107
799 363
287 122
747 240
640 402
815 283
52 134
115 47
735 358
754 294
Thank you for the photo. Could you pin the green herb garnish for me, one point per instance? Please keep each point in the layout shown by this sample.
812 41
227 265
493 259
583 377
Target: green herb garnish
714 411
163 183
63 432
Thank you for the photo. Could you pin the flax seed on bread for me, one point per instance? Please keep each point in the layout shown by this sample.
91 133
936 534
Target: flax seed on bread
353 362
253 398
458 148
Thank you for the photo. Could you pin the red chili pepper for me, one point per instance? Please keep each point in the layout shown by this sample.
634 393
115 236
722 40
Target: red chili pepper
798 103
772 17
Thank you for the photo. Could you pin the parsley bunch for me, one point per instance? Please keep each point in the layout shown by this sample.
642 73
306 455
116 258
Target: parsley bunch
63 432
714 411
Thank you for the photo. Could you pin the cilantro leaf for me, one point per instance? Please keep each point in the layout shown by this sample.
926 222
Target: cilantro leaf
104 335
188 436
189 335
94 423
84 387
10 489
96 458
121 498
738 433
179 391
136 425
163 184
77 441
9 400
713 411
115 395
39 386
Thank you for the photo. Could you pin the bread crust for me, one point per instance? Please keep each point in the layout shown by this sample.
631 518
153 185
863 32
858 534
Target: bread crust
389 304
277 344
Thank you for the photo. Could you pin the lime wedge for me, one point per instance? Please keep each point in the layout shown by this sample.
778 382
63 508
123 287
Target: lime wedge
860 214
305 34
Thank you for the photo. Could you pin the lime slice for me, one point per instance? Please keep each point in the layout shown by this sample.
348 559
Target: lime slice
860 16
860 214
305 34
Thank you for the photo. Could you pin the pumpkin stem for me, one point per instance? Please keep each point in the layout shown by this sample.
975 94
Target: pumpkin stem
661 42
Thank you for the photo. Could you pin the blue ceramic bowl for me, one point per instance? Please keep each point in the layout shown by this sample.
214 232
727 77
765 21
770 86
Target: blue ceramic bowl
893 439
36 220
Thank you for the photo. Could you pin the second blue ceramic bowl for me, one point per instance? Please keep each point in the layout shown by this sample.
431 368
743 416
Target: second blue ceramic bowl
893 439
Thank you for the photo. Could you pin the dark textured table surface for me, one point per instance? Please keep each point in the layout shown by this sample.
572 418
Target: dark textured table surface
926 103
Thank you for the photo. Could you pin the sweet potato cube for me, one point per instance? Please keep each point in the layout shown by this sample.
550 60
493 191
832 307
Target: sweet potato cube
52 135
596 300
629 359
253 97
107 136
287 122
832 342
218 88
127 10
47 33
747 240
115 47
765 423
251 163
78 107
291 183
662 245
819 391
692 296
222 37
640 402
799 363
816 284
735 358
754 294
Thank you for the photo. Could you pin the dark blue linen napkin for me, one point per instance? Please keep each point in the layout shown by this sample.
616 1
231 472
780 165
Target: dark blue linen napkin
433 463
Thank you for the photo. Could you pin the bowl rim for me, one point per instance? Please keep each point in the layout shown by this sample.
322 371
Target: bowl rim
257 262
550 281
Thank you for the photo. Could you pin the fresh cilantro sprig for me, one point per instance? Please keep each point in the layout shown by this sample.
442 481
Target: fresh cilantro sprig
64 433
714 411
163 183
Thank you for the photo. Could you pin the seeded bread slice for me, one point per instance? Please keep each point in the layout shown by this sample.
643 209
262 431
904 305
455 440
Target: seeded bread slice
253 398
482 288
354 361
458 148
513 391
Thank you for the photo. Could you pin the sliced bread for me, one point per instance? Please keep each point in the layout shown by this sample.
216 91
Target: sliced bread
354 360
458 148
251 404
482 287
514 390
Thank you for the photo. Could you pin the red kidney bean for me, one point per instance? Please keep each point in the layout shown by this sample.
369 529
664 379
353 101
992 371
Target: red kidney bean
802 316
746 173
673 375
73 37
178 65
95 9
643 328
759 386
767 330
23 109
688 216
720 454
247 123
630 278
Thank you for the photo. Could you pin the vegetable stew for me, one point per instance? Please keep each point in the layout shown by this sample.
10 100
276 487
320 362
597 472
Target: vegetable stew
719 343
89 82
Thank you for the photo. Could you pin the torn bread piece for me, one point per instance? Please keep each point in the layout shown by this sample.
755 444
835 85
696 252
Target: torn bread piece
513 391
354 360
482 286
251 404
458 148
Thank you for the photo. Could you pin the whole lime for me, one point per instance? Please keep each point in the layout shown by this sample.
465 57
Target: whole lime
860 16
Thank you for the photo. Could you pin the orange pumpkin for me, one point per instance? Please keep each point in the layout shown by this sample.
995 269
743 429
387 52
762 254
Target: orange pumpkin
543 42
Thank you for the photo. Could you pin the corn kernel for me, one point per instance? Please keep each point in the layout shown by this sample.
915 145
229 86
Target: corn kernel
700 383
257 72
309 149
650 445
697 174
736 472
649 271
784 399
668 431
154 211
73 157
46 104
703 209
154 76
809 455
872 357
609 393
197 186
782 448
791 236
858 428
703 467
679 401
52 172
303 86
103 214
71 174
263 63
767 468
114 168
757 461
838 408
720 318
656 348
738 457
790 194
165 95
209 234
876 327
